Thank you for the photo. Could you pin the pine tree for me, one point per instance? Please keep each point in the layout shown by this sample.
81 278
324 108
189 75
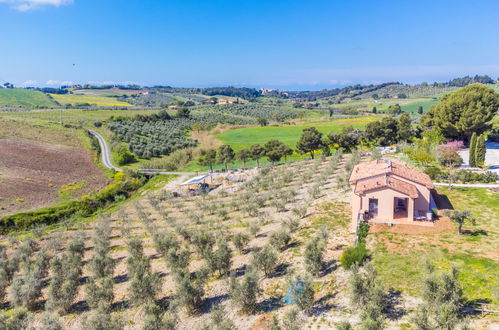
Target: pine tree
472 160
480 150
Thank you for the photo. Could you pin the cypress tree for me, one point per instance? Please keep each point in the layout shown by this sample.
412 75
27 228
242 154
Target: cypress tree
480 150
472 159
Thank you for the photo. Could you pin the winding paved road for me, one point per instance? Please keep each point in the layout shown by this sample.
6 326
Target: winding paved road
106 160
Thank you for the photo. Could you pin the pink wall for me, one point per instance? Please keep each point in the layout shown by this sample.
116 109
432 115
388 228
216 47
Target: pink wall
386 197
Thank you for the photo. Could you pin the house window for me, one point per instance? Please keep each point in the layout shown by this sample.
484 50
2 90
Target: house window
373 207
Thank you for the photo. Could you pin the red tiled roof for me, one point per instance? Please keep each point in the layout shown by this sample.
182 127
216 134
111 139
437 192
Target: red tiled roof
386 181
380 167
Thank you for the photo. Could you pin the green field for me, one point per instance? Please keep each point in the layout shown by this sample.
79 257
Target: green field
24 98
244 137
74 99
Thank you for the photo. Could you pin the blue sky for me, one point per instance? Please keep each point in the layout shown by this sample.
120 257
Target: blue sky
285 44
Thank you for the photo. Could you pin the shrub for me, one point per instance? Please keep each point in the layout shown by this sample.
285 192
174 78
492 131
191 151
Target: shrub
102 319
144 284
177 259
245 291
219 320
27 286
280 239
344 325
291 320
17 319
219 260
50 321
301 292
203 241
254 228
240 241
354 255
100 292
291 224
314 251
363 232
155 318
190 289
300 210
265 260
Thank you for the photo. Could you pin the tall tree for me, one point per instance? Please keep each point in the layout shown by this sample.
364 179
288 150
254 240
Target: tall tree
208 158
404 127
225 155
394 109
275 150
472 159
257 152
420 110
244 155
310 141
467 110
480 150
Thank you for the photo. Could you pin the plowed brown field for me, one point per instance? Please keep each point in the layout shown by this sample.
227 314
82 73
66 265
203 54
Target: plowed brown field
33 174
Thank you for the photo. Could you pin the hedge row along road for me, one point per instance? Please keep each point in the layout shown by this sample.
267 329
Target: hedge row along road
106 159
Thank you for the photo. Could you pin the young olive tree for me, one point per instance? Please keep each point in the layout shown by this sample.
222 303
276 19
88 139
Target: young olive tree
190 289
27 286
314 256
265 260
442 301
144 284
240 241
244 292
219 260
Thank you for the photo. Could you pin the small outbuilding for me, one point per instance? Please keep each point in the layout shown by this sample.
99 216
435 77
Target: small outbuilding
384 191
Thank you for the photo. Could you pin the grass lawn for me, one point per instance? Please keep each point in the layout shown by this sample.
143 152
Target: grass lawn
244 137
400 258
17 97
98 100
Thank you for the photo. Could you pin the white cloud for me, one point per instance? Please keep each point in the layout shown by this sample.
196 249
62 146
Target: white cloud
26 5
58 83
29 83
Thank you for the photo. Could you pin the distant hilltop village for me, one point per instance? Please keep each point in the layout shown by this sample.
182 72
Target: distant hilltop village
266 91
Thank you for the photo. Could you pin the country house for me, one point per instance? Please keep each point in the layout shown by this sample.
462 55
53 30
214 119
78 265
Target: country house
384 191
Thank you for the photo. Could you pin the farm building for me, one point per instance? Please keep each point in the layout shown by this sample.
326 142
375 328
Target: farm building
387 192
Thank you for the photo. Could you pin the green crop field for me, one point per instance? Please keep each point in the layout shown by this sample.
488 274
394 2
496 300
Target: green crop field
104 92
74 99
244 137
24 98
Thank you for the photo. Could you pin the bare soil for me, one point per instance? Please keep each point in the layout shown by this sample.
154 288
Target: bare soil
33 174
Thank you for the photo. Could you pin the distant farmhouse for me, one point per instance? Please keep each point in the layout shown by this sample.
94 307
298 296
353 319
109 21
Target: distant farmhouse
387 192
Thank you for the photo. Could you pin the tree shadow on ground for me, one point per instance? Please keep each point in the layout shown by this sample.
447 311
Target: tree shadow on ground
120 279
478 232
80 306
211 302
270 304
394 309
280 270
239 271
323 305
120 305
330 266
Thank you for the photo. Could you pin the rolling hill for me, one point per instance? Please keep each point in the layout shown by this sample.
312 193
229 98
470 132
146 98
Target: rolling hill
24 98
